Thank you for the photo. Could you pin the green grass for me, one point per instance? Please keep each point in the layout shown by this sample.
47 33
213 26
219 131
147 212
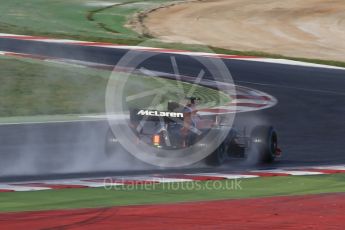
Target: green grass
80 19
170 193
76 19
33 88
29 87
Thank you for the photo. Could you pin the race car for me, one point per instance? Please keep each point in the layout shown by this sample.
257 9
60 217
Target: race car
180 126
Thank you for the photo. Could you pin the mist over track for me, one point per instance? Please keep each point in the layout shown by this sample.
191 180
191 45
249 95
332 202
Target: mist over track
309 115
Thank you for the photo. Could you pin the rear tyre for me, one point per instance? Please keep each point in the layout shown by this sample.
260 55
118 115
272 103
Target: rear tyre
264 141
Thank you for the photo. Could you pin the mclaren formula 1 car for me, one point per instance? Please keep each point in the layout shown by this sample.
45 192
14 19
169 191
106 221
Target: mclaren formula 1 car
180 126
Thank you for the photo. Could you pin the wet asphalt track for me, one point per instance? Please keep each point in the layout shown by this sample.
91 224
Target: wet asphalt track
310 115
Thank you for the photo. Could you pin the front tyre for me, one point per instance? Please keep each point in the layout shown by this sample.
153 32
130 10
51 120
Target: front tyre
264 141
218 157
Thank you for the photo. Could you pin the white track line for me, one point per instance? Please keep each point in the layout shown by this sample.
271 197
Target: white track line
291 62
225 175
78 182
160 179
290 172
169 51
339 167
19 188
116 181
